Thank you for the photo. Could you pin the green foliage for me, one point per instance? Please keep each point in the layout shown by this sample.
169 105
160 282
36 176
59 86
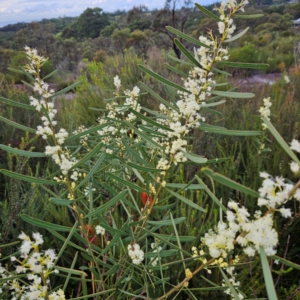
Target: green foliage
88 25
177 212
140 42
108 30
120 39
138 18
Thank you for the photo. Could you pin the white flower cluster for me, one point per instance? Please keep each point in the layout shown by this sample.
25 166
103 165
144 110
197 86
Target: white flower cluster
265 110
274 192
252 233
35 61
38 266
117 112
135 253
226 26
230 270
83 139
295 145
198 86
154 261
256 232
100 230
58 154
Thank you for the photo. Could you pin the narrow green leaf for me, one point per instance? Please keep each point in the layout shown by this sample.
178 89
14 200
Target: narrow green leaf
195 158
219 84
217 98
66 242
16 71
22 152
16 125
167 222
267 275
135 154
207 12
206 125
220 71
179 72
187 54
9 244
44 224
149 121
232 94
187 201
181 61
248 16
62 238
172 94
28 84
28 75
143 168
89 131
211 111
228 283
72 267
243 65
152 133
158 115
126 183
113 270
62 202
212 196
228 182
144 136
10 277
113 243
229 132
92 172
184 186
17 104
186 37
286 262
28 178
163 253
71 271
214 104
89 155
50 75
182 238
280 140
237 36
107 205
67 89
162 79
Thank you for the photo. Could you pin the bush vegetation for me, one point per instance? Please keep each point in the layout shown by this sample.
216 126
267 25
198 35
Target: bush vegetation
118 191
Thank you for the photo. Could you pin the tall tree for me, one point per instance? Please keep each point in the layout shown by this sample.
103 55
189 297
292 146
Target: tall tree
140 42
120 38
137 18
36 35
88 25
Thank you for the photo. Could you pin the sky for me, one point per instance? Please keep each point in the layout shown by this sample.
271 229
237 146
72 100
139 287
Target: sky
14 11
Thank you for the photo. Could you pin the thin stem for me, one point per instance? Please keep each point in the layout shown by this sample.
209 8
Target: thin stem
181 284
